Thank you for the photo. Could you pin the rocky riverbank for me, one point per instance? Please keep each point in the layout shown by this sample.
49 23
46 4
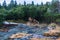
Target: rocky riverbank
24 32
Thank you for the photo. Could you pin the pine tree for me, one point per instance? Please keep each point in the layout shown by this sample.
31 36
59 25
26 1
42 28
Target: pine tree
32 2
11 5
47 4
24 3
42 3
15 4
54 0
55 6
0 5
37 4
4 4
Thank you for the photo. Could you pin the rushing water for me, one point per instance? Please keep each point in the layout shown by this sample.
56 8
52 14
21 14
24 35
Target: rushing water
22 28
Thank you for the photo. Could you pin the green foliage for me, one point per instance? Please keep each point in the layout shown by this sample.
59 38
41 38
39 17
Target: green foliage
11 5
43 13
0 5
15 14
3 10
1 19
33 11
55 6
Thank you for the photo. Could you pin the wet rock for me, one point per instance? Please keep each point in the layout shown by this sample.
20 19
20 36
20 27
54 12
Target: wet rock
22 32
35 39
51 26
58 39
19 35
55 33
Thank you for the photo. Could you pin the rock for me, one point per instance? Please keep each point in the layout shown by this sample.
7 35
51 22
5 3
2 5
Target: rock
46 39
46 34
19 35
35 39
22 32
52 33
58 39
51 26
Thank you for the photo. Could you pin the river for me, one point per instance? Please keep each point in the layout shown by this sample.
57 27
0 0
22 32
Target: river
22 28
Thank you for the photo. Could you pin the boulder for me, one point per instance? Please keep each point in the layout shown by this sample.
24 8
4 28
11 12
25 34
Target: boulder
51 26
52 33
35 39
58 39
19 35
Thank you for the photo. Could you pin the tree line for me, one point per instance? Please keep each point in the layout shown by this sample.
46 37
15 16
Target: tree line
43 13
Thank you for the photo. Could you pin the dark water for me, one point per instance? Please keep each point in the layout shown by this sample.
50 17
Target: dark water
22 28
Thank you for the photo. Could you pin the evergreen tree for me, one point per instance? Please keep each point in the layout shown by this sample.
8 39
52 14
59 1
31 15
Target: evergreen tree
47 4
4 4
11 5
15 3
24 3
0 5
32 2
54 1
41 3
1 19
37 4
55 6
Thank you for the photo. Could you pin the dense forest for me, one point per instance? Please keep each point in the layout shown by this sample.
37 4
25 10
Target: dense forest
42 12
